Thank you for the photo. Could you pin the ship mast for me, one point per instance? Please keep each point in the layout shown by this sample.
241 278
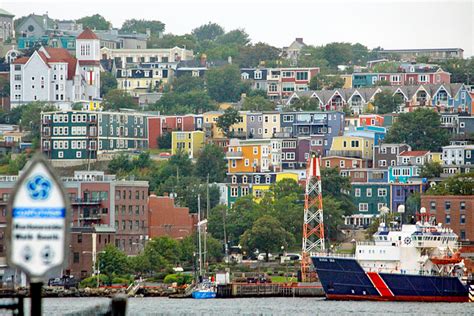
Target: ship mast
313 226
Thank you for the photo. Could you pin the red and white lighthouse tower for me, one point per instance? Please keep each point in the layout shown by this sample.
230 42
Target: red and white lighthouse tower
313 226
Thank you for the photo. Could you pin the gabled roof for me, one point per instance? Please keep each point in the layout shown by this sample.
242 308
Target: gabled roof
21 60
87 34
414 153
5 12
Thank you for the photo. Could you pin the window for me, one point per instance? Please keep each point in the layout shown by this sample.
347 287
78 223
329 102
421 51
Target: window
290 156
255 150
258 193
363 207
234 191
76 257
448 219
462 219
368 192
342 163
328 163
79 238
357 192
382 192
302 75
447 206
244 191
462 206
234 179
244 179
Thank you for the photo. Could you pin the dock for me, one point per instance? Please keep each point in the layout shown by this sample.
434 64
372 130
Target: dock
233 290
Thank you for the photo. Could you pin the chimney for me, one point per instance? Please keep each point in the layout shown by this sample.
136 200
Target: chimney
45 20
299 40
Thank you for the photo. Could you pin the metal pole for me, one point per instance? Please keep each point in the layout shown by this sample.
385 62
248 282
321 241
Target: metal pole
199 235
35 294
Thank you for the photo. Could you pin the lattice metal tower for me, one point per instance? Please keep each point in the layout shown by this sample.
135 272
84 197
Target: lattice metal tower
313 226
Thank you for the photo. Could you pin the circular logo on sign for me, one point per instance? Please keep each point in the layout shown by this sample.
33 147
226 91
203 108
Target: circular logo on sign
39 188
407 240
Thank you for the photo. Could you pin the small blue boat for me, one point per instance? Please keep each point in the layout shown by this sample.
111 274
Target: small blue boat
204 294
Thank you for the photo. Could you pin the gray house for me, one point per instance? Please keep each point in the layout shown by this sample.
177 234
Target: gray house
6 25
35 25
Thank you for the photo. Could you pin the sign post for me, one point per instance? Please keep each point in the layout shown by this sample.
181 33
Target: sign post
37 226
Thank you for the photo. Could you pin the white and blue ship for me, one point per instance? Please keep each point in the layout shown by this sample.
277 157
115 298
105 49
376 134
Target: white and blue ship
417 262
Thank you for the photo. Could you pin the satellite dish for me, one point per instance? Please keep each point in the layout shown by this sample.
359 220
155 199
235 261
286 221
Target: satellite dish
401 208
423 210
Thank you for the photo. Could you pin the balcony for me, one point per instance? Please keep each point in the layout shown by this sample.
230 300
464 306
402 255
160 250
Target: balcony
85 201
234 155
90 217
282 135
347 153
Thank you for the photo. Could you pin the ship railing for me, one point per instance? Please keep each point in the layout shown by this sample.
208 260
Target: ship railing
333 254
366 243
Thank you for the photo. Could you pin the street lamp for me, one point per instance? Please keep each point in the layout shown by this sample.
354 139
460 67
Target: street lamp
94 261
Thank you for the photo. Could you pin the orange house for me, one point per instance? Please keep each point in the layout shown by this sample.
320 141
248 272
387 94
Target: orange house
370 120
341 162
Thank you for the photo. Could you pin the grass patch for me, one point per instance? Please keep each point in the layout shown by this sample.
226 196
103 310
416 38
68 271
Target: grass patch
282 279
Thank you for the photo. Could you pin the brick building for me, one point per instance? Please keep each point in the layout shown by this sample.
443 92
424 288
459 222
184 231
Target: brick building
167 219
454 211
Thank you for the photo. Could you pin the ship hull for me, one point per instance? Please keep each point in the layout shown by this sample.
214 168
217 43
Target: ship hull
344 279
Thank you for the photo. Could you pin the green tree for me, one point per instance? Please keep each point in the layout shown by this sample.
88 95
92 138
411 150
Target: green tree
107 83
336 186
164 141
224 122
253 55
431 170
211 162
388 66
187 83
236 37
216 221
4 87
333 216
266 235
223 83
461 70
29 119
382 83
305 103
95 22
257 103
209 31
183 103
421 129
326 82
214 249
386 102
118 99
312 56
113 261
422 59
141 26
460 184
360 54
162 253
338 54
241 217
170 40
120 164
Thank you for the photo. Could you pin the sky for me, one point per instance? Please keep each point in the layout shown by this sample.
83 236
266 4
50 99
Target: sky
387 23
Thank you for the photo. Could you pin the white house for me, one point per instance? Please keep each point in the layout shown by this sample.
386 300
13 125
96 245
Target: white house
54 75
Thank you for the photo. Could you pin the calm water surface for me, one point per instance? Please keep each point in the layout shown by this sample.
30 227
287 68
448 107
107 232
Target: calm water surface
261 306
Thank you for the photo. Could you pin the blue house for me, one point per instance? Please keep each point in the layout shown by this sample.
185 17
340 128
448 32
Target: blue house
402 174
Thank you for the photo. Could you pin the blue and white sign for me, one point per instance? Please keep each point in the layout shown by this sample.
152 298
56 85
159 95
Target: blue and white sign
38 217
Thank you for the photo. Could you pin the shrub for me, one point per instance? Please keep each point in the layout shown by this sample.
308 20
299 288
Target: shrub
180 279
120 280
92 281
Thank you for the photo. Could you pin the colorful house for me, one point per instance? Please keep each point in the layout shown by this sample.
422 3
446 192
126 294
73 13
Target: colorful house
254 155
189 142
352 146
369 198
254 184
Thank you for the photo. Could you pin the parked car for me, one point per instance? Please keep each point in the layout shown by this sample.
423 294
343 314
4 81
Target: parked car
291 257
263 257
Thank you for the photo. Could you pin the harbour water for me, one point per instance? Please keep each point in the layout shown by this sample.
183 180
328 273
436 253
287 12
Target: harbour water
258 306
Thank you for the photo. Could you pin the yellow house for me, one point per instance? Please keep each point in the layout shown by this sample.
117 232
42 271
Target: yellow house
94 105
214 132
258 190
435 157
189 142
352 146
347 81
210 124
